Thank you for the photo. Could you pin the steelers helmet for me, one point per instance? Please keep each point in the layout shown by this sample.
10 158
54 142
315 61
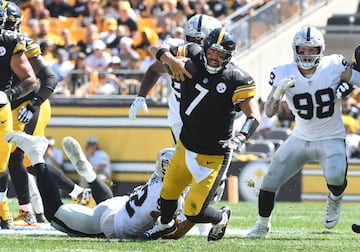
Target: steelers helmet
13 17
312 37
163 160
199 26
221 40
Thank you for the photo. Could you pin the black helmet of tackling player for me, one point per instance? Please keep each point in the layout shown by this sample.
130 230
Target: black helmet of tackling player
199 26
220 40
311 37
13 17
163 160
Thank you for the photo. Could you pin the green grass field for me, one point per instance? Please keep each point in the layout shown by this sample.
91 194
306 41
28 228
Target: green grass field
295 227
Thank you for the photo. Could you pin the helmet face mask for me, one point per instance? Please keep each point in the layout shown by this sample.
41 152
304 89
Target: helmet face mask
219 40
162 161
308 36
199 26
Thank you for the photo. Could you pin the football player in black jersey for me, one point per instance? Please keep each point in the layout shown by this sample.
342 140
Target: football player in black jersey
31 114
209 100
12 62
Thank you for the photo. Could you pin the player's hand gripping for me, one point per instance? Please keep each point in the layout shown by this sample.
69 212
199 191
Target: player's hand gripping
284 85
343 90
27 112
138 103
233 143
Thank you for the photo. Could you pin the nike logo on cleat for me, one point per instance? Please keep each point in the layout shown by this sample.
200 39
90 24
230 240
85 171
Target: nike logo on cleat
329 221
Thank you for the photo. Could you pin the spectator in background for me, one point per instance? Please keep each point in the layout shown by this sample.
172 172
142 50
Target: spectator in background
68 44
60 8
47 49
91 34
99 59
128 56
165 27
63 65
109 35
90 16
75 79
38 10
45 33
128 17
53 155
199 7
34 28
99 160
219 9
112 11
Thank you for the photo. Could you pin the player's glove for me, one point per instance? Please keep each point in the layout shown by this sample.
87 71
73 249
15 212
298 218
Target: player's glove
344 89
233 143
285 84
4 99
27 112
138 103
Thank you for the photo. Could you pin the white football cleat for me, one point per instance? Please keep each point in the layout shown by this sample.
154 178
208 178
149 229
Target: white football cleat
33 146
332 212
77 157
258 231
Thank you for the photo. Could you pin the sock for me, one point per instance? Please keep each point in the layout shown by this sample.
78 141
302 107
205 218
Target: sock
26 207
90 176
333 197
76 191
3 196
264 221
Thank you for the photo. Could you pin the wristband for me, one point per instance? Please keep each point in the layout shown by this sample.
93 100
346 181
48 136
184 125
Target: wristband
160 52
249 127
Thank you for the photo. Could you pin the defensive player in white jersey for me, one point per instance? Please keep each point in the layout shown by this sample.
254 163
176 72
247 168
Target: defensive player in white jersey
123 217
195 30
309 84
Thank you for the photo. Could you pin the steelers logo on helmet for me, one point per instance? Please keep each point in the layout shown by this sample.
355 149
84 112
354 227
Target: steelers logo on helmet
219 40
221 88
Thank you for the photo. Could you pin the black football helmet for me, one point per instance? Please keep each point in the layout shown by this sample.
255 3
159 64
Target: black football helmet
221 40
13 17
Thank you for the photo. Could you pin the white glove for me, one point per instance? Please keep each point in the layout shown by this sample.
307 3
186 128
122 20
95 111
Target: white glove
343 90
285 84
234 143
138 103
4 99
26 113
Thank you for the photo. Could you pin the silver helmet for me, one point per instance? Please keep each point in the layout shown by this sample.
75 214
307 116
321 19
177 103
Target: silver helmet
163 160
199 26
311 37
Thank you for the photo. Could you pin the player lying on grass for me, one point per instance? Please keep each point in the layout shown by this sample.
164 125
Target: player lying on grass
121 217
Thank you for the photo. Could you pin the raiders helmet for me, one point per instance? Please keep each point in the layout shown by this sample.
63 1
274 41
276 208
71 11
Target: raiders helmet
312 37
163 160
